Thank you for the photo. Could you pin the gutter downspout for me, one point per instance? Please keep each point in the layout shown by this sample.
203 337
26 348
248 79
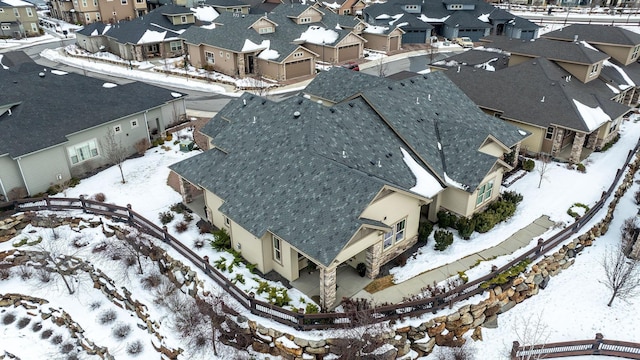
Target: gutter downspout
146 124
4 192
22 175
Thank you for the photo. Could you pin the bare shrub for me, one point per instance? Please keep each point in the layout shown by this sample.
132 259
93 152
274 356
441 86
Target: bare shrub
135 348
8 318
100 247
198 243
23 322
66 348
43 275
100 197
628 233
5 274
36 327
95 305
151 281
121 331
17 193
56 340
465 352
636 197
25 272
182 226
142 146
107 317
129 261
80 242
72 357
46 334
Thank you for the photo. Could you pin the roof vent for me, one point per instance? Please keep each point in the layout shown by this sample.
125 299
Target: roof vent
575 38
350 104
542 100
417 101
41 74
264 101
344 154
390 88
379 164
412 81
429 97
332 110
296 114
254 119
244 102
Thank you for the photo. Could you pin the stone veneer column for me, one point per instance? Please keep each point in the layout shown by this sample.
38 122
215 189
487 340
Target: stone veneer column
516 152
576 148
185 190
592 140
374 260
327 287
557 141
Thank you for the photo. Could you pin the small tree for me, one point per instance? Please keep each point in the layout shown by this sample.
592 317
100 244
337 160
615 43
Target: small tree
622 275
129 247
113 151
530 331
543 166
382 67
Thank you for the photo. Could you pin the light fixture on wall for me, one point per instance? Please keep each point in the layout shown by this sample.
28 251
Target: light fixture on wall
238 246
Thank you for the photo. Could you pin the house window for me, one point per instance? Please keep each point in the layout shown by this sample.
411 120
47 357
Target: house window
5 27
484 192
594 69
237 10
16 13
117 129
265 30
228 55
346 12
123 2
634 55
298 54
183 19
176 45
277 249
98 16
139 1
227 222
29 12
221 54
411 7
34 27
396 235
95 2
1 10
305 20
83 151
210 57
549 134
87 17
152 48
455 7
134 123
614 126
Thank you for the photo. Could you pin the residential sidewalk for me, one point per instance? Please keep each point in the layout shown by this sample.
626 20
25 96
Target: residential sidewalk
523 237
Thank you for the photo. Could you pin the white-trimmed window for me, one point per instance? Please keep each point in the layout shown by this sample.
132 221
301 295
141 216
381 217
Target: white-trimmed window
396 235
614 126
455 7
123 2
34 27
16 13
484 193
98 16
228 55
221 53
117 129
95 2
277 249
305 20
183 19
176 45
346 12
29 12
549 134
5 27
410 7
134 123
87 17
227 222
265 30
237 10
84 3
635 52
594 69
1 10
210 57
83 151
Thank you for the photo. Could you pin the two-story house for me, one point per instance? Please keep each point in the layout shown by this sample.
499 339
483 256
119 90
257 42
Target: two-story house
297 183
90 11
155 35
18 19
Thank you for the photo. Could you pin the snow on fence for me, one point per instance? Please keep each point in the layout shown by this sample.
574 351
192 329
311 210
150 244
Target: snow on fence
597 346
323 320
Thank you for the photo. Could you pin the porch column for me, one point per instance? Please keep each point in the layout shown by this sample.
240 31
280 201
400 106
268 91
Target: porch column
592 140
327 287
576 148
557 141
185 190
516 152
374 260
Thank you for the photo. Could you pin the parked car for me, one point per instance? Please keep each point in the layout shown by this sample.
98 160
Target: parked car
464 41
351 66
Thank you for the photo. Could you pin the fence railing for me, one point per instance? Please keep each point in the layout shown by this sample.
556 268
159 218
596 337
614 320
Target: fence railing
323 320
597 346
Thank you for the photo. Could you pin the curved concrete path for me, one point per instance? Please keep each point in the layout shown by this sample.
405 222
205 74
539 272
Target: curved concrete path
396 293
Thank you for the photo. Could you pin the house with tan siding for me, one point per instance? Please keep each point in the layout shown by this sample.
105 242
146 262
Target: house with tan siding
18 19
300 185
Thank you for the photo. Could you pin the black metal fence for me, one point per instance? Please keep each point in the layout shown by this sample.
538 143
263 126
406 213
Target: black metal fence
597 346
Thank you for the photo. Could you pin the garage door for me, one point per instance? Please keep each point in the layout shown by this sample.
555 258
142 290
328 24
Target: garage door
414 37
393 44
350 52
298 68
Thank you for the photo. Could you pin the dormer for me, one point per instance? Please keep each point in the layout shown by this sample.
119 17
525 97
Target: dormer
453 5
308 16
181 19
264 26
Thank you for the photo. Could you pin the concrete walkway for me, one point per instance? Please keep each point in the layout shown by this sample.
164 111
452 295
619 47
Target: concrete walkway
396 293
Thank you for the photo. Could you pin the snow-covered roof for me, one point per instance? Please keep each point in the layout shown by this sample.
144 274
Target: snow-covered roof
17 3
426 184
593 117
205 13
623 74
318 35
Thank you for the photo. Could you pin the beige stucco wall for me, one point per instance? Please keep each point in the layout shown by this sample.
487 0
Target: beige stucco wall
378 42
532 143
581 72
122 12
463 203
492 148
312 13
261 24
620 53
177 19
393 208
516 59
270 69
325 53
9 175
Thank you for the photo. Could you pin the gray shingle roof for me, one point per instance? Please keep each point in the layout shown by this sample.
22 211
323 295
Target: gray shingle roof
131 32
598 34
474 58
560 51
340 83
43 117
307 178
536 87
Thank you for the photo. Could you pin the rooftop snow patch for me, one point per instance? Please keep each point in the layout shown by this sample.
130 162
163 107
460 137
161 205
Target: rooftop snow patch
333 5
613 89
454 183
484 18
58 72
427 19
383 17
176 94
487 65
622 73
588 46
426 184
205 13
151 36
109 85
269 54
251 46
373 29
17 3
593 118
94 32
3 65
318 35
522 132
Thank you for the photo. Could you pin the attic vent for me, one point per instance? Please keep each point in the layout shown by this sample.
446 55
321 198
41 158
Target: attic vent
244 102
424 76
402 84
332 110
264 102
542 100
300 102
390 88
412 81
296 114
429 97
344 154
254 119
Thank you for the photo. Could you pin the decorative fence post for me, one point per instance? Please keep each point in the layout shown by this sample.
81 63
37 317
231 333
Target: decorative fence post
514 350
129 214
84 205
47 201
596 343
165 234
539 246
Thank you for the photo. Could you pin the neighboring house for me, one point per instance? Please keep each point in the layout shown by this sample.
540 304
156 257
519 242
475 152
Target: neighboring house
568 118
282 45
296 182
345 7
46 138
155 35
18 19
233 6
89 11
448 18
